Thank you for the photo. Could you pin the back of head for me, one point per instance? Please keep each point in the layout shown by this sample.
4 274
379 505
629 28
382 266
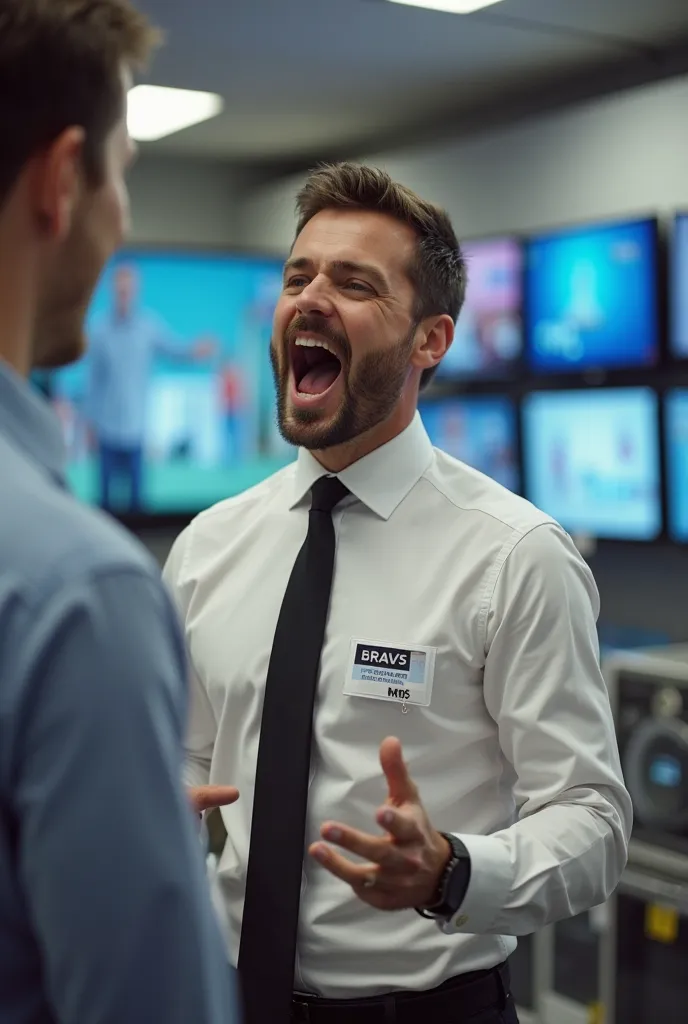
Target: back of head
65 66
438 270
61 65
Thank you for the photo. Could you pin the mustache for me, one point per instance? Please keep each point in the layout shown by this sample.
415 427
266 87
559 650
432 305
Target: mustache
318 325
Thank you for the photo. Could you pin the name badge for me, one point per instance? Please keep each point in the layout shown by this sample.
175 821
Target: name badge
395 672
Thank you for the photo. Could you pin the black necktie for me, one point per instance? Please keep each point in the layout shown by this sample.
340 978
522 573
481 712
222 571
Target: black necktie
275 863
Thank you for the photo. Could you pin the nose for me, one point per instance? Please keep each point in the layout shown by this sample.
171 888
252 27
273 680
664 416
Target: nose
314 298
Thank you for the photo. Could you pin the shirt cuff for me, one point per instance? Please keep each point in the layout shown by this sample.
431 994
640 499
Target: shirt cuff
490 884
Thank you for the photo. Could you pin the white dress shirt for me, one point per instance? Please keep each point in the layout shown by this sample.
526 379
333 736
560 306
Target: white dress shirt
516 752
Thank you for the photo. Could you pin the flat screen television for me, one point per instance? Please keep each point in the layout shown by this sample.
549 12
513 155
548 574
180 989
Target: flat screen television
679 288
489 333
676 446
592 460
482 432
171 409
592 298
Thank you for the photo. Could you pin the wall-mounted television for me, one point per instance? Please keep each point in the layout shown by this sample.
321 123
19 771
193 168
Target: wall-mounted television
482 432
592 460
171 408
676 444
679 288
592 298
489 333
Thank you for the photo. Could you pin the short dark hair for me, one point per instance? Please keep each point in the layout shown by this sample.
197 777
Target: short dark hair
438 271
60 66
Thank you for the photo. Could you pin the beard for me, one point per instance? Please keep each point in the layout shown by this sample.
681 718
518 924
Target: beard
371 391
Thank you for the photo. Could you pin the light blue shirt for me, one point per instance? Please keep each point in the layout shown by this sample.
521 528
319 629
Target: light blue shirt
105 915
121 354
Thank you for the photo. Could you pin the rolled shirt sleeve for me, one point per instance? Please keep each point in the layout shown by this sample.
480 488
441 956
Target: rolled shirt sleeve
544 688
108 851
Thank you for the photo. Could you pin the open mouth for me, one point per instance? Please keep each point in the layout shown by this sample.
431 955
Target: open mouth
315 365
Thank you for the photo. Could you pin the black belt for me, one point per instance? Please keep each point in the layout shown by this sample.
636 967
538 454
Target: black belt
456 999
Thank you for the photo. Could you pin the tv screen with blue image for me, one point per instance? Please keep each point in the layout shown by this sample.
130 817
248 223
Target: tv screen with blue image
478 431
172 407
488 341
676 442
592 460
679 288
592 298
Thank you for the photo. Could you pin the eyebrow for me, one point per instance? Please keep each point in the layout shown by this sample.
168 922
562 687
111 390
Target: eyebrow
375 276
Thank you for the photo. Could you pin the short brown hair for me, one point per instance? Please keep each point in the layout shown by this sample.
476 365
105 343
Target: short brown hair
60 66
438 271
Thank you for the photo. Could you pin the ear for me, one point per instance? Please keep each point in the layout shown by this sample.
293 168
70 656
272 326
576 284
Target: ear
433 339
57 183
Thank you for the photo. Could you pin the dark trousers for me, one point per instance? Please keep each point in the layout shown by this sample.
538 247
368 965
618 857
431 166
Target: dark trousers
120 466
482 997
496 1016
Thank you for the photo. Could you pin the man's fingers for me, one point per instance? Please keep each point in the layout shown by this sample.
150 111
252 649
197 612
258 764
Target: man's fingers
377 849
355 875
399 825
402 788
204 798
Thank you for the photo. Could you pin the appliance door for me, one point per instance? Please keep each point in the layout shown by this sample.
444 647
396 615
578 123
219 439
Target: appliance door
522 967
576 959
571 990
647 973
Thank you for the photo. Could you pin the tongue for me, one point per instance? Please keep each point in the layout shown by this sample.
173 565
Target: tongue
319 379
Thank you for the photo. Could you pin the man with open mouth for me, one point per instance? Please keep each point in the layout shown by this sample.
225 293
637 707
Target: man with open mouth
394 659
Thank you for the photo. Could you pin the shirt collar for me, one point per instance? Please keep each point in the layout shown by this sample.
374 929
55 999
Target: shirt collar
27 420
382 479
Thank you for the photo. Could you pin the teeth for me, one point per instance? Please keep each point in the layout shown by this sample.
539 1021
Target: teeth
312 343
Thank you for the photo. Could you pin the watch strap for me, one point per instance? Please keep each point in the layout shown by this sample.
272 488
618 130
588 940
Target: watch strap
453 884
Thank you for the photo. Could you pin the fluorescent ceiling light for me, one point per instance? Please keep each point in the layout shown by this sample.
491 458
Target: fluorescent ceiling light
451 6
155 111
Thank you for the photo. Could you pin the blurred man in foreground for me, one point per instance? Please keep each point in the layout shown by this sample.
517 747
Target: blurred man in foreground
105 915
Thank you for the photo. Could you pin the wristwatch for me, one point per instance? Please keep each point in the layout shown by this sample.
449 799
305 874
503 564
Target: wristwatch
453 884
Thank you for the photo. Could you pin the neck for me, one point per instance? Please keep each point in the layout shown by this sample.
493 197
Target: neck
338 458
16 322
122 312
18 290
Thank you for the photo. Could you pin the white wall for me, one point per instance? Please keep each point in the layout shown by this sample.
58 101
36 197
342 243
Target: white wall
179 201
623 154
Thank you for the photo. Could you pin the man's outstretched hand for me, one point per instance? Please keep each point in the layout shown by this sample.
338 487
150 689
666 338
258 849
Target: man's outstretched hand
406 864
205 798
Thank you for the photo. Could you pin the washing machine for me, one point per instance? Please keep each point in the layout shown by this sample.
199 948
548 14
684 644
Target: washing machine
524 965
649 693
645 951
569 975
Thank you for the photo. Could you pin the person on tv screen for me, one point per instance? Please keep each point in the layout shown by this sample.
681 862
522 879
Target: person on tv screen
233 405
123 346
